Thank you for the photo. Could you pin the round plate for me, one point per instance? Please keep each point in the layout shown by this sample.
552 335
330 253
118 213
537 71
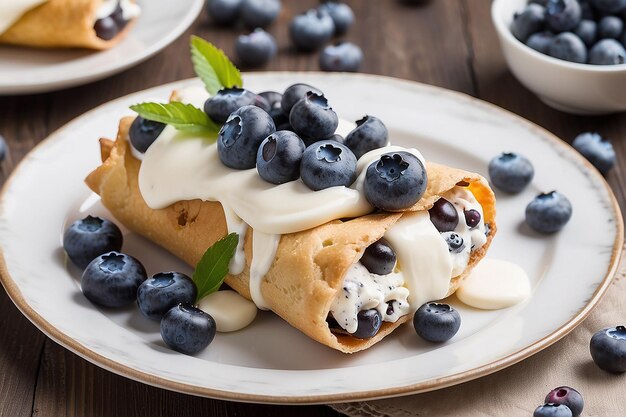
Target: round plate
270 361
30 70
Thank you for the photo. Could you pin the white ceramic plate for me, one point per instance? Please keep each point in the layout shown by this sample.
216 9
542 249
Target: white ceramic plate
271 361
30 70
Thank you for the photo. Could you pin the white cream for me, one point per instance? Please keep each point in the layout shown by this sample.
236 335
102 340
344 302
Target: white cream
494 284
264 248
12 10
230 310
130 10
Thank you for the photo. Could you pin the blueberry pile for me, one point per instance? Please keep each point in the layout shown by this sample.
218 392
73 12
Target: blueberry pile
581 31
561 402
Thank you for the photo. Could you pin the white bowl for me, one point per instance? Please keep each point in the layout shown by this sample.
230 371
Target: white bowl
566 86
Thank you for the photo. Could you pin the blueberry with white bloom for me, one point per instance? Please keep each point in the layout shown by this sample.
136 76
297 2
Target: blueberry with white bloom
310 30
609 6
370 133
607 52
187 329
596 149
312 117
255 49
259 13
327 164
608 349
436 322
158 294
553 410
568 47
587 30
279 156
342 15
295 93
341 57
511 172
87 238
531 20
563 15
610 27
548 212
540 41
227 100
223 12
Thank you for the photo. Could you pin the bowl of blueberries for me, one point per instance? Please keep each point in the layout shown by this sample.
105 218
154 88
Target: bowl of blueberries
571 53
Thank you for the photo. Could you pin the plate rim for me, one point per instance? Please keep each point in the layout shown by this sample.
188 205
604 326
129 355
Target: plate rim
67 342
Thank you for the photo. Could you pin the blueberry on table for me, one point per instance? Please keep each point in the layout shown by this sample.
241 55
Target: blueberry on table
144 132
454 241
370 133
85 239
511 172
106 28
187 329
607 52
369 324
379 258
342 15
259 13
552 410
540 41
531 20
587 31
395 182
255 49
223 12
279 156
568 397
436 322
341 57
327 163
312 117
610 27
311 30
563 15
608 349
239 139
609 6
444 216
158 294
548 212
568 47
226 101
112 279
596 149
295 93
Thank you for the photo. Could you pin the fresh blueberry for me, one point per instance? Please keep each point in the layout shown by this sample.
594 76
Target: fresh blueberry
568 397
327 164
610 27
342 15
370 133
511 172
338 138
112 279
310 30
454 241
548 212
279 156
312 117
472 218
4 148
531 20
436 322
85 239
295 93
540 41
608 349
259 13
281 120
607 52
342 56
157 295
369 324
609 6
187 329
223 12
444 216
552 410
588 12
227 100
379 258
118 16
587 30
239 139
255 49
106 28
568 47
395 182
273 99
597 150
144 132
563 15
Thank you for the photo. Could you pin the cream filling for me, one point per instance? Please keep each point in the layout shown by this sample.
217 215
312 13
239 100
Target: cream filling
130 10
12 10
230 310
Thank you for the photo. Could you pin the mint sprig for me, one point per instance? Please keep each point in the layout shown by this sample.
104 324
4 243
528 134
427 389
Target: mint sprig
213 266
184 117
213 66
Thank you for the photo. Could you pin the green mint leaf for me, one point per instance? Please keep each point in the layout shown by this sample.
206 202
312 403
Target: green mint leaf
213 66
184 117
213 267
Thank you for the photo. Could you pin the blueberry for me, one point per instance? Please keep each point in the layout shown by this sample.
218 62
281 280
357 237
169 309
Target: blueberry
436 322
310 30
239 139
587 30
568 397
342 56
327 164
85 239
187 329
118 16
588 12
312 117
370 133
568 47
281 120
472 218
552 410
454 241
112 279
444 216
223 12
597 150
511 172
279 156
540 41
338 138
259 13
379 258
157 295
395 182
548 212
609 6
607 52
531 20
369 324
563 15
4 148
608 349
144 132
273 99
255 49
342 15
295 93
227 100
106 28
610 27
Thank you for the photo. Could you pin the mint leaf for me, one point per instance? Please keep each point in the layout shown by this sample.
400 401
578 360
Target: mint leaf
213 267
184 117
213 66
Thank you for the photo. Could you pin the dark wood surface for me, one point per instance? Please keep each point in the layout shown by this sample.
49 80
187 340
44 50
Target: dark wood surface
448 43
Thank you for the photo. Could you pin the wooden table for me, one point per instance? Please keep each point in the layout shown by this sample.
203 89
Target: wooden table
448 43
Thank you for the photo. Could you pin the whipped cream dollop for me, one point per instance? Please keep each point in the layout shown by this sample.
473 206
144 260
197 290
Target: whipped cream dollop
12 10
130 9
